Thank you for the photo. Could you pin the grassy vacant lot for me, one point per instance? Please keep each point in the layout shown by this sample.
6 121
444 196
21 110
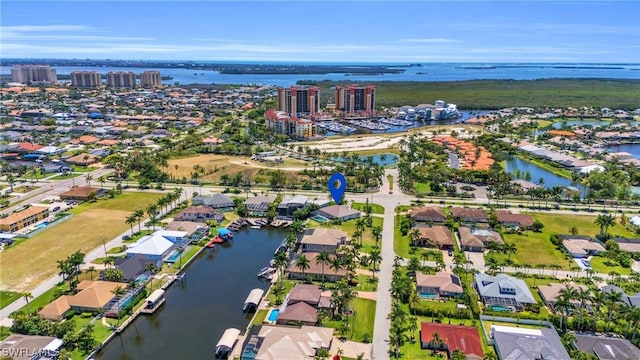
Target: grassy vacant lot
28 264
375 208
497 94
599 266
560 224
7 297
361 323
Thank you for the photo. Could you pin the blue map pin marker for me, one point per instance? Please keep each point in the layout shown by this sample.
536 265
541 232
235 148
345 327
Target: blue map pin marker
337 192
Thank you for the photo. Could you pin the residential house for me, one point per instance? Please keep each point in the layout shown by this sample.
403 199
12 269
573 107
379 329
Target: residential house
92 296
23 218
315 270
468 215
431 214
30 347
132 267
259 205
581 246
606 348
82 159
192 228
152 247
338 212
454 337
216 201
288 343
511 220
297 314
632 300
550 293
475 239
310 294
319 239
200 213
442 284
527 344
629 245
82 193
292 203
503 292
435 236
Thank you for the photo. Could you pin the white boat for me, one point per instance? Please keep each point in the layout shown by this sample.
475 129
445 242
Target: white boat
224 346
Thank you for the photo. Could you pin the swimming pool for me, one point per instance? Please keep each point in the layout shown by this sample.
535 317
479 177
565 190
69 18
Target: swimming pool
273 315
173 258
500 308
41 225
427 296
142 278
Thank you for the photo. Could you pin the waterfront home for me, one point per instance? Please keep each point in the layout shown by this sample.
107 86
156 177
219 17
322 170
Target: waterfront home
319 239
287 343
442 284
454 337
92 296
152 247
216 201
503 292
550 293
512 220
431 214
468 215
337 212
310 294
475 239
298 314
200 213
30 347
259 205
581 246
82 193
24 218
527 344
315 271
193 229
292 203
132 267
606 348
435 236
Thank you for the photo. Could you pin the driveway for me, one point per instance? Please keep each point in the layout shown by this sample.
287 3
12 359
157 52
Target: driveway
477 258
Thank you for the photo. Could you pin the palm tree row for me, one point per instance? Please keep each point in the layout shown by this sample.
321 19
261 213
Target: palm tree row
154 211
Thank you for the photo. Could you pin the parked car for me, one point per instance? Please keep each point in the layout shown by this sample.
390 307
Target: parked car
56 208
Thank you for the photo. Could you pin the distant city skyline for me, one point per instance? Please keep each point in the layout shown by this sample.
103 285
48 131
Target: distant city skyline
323 31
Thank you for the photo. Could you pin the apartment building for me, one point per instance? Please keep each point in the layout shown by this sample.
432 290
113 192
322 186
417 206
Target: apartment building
85 79
24 218
150 79
355 99
299 100
33 74
281 123
121 79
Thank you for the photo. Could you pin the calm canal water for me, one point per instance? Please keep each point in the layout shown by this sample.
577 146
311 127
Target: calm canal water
196 313
633 149
550 179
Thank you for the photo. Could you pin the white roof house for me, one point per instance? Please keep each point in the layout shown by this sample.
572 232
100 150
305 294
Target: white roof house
151 245
589 168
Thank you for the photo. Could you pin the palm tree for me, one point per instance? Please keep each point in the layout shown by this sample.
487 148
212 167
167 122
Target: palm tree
573 230
509 249
605 222
102 179
88 178
27 296
376 231
152 268
612 298
375 257
490 355
131 219
281 262
91 269
302 263
323 259
139 214
180 250
414 235
336 265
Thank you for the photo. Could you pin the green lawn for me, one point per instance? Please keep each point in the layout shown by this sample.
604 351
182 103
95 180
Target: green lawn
390 180
48 296
535 248
561 223
366 283
64 177
598 265
375 208
7 297
361 322
259 317
400 242
424 188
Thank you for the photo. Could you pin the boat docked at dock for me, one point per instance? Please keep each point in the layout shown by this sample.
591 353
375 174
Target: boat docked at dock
153 302
226 342
253 300
267 272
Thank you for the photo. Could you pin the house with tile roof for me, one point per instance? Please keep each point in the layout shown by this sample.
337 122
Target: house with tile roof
443 284
454 337
21 219
432 214
435 236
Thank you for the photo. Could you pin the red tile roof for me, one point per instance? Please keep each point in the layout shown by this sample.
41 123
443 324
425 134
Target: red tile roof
465 338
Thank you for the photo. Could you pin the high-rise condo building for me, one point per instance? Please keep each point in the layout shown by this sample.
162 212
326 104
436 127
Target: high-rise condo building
33 74
85 79
299 100
356 99
121 79
150 79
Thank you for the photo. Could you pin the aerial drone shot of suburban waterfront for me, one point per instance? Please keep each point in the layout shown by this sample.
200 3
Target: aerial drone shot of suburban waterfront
270 180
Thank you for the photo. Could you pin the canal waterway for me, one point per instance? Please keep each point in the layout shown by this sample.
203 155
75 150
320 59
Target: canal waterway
633 149
550 179
198 310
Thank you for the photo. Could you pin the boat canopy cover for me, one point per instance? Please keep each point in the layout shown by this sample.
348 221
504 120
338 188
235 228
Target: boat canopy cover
228 338
254 296
155 296
223 231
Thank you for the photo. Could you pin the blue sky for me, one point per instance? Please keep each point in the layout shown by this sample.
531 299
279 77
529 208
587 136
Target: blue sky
325 31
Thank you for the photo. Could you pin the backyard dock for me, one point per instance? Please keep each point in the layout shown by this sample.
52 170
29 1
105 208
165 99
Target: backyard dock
153 302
